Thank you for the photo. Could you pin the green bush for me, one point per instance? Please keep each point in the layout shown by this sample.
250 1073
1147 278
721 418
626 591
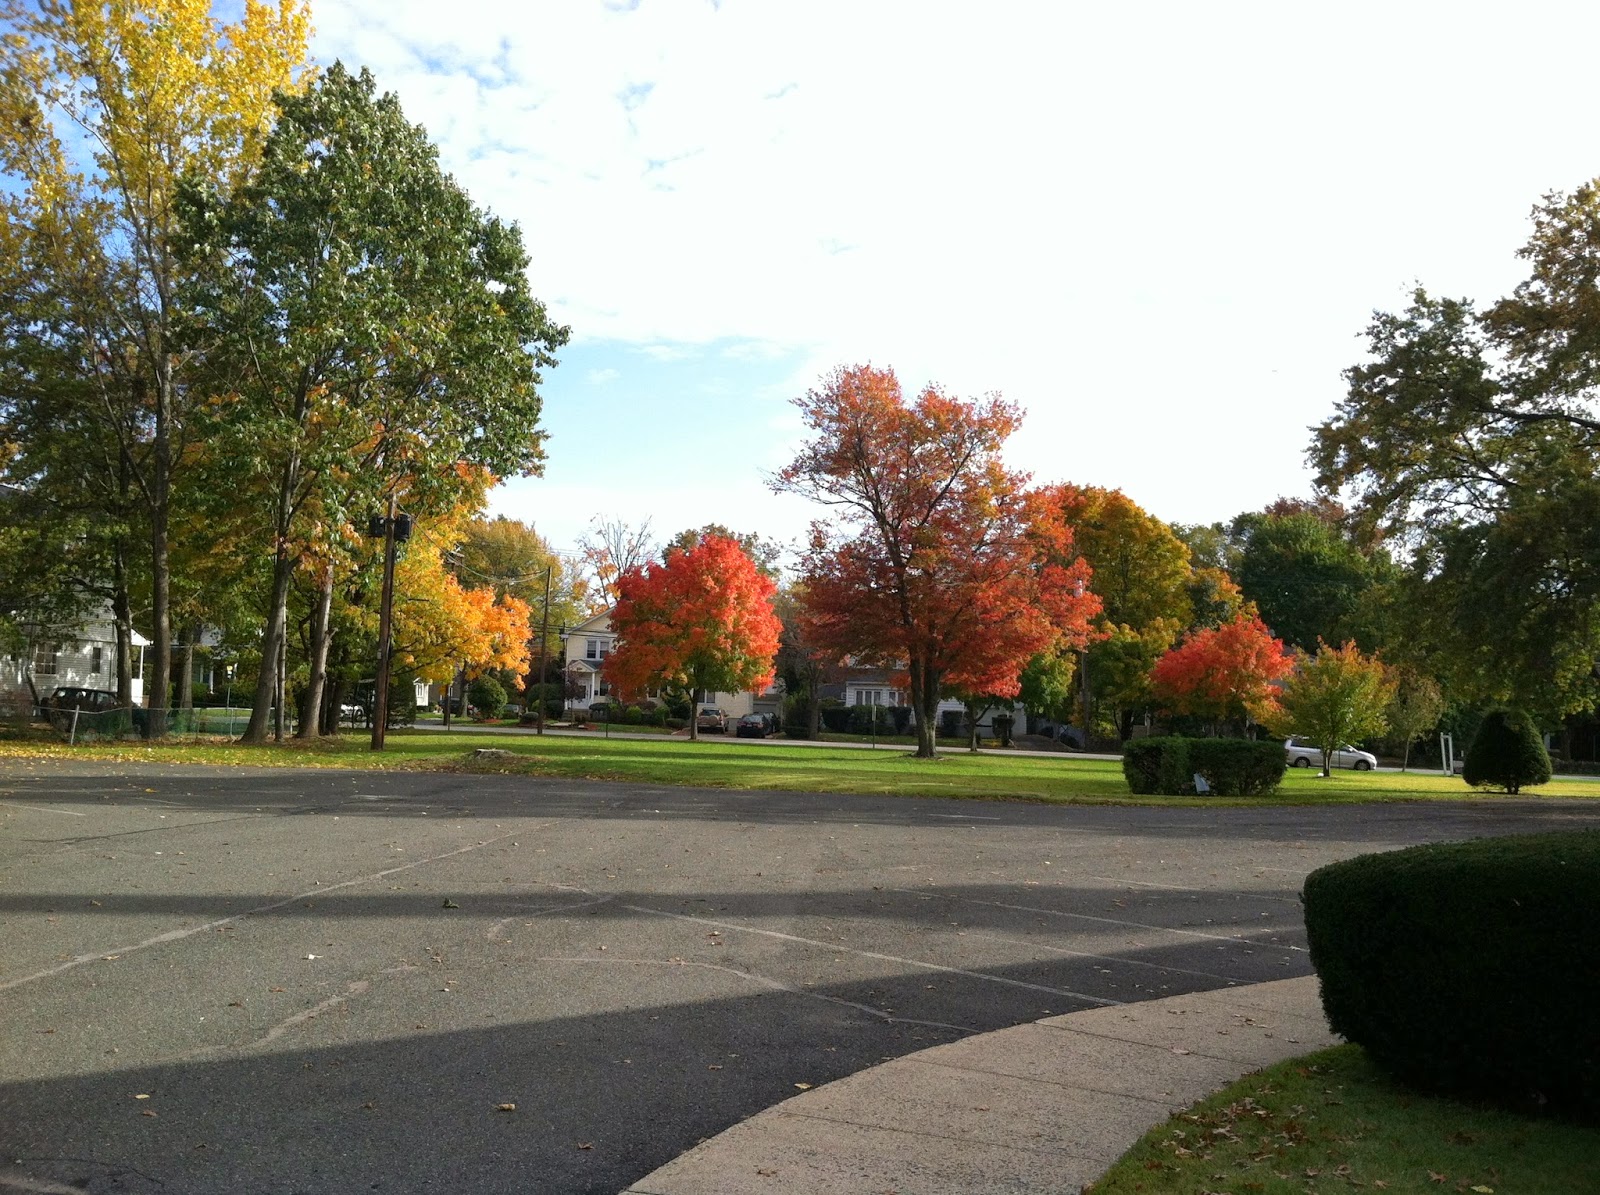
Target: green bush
1143 761
1231 767
1506 753
1469 968
486 695
836 718
797 717
1238 767
902 718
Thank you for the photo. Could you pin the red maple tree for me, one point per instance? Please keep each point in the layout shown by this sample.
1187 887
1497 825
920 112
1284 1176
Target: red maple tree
702 619
1224 672
937 561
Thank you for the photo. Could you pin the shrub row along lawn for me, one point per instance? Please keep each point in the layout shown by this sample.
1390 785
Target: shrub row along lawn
762 765
1332 1122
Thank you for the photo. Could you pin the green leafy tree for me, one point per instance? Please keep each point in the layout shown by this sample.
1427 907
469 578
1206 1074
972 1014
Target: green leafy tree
1506 753
380 343
1474 436
104 108
1415 709
1308 580
486 695
1335 697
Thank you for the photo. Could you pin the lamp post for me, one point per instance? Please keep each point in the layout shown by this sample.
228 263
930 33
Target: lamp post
395 528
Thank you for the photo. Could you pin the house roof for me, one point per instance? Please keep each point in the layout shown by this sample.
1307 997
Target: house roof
600 622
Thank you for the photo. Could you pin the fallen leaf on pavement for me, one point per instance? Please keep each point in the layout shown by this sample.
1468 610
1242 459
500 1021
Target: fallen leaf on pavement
586 1145
449 904
505 1108
803 1086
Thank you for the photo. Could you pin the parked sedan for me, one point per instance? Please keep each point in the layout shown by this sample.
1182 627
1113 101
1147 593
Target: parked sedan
710 718
1302 754
752 726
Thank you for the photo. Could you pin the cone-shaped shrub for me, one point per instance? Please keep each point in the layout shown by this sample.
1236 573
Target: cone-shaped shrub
1507 753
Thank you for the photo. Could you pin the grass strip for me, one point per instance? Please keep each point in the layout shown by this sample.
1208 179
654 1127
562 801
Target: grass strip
1332 1122
747 764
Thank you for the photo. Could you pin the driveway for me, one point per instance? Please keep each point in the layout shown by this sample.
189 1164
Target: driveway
328 981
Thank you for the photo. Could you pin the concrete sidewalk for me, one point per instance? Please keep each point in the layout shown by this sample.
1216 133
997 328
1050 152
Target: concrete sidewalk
1045 1107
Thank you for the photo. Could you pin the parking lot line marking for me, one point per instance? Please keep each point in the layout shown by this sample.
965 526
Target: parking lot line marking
1288 900
177 935
767 980
42 809
873 954
1159 929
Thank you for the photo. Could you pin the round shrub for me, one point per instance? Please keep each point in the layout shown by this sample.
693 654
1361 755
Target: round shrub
1506 753
486 695
1470 969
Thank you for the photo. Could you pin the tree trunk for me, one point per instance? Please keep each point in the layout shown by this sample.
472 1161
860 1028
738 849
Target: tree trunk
1084 694
275 634
185 683
157 695
925 698
321 636
271 640
122 621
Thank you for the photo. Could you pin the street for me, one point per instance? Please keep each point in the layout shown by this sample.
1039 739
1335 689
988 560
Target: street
330 980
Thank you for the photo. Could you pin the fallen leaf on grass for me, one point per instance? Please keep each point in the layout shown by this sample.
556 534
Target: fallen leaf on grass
1483 1190
1437 1177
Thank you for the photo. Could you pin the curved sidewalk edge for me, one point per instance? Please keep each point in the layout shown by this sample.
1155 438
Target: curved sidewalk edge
1045 1107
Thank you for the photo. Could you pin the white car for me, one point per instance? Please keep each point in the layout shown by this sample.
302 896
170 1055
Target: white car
1302 754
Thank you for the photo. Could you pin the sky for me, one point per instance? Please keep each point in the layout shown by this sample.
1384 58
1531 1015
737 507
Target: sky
1161 228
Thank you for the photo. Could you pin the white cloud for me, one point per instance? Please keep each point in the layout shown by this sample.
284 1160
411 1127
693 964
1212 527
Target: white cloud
599 377
1160 227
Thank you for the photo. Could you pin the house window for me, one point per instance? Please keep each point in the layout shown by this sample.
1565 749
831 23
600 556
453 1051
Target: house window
45 656
591 649
869 696
95 661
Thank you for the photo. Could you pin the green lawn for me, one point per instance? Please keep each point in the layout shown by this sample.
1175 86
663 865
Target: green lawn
768 765
1332 1122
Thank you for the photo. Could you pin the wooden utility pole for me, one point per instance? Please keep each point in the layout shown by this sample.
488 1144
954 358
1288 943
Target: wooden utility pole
544 642
380 699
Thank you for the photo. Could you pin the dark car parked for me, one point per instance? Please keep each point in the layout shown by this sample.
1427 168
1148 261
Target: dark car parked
753 726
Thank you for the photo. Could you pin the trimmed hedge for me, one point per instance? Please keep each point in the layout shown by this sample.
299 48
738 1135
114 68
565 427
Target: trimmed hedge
1470 968
1506 753
1231 767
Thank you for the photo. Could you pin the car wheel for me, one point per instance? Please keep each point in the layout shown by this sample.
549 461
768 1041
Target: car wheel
1362 765
1302 762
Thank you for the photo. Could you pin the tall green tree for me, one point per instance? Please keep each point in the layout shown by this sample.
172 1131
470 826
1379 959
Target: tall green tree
1308 579
104 108
1474 437
379 339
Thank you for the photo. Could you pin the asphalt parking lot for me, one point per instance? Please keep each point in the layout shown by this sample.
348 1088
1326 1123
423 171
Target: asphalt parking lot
330 981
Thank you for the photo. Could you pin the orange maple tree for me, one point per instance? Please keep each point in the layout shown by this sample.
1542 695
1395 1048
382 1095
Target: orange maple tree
1225 672
702 619
937 560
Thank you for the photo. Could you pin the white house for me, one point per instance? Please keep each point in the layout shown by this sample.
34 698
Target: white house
586 647
83 657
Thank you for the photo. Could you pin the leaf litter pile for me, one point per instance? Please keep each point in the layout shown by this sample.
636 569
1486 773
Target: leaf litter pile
1331 1122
